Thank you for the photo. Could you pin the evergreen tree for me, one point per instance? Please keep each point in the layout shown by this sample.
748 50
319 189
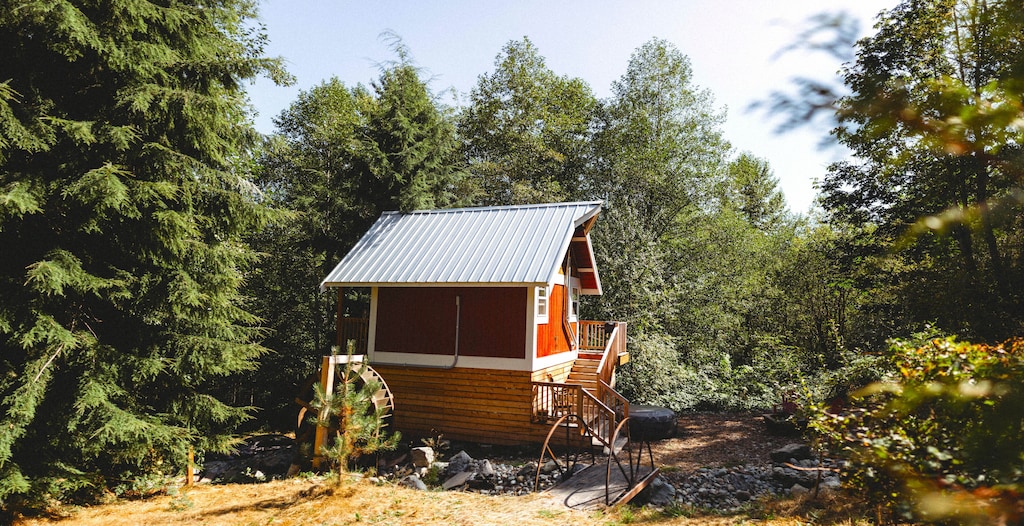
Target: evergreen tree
341 156
122 126
753 190
348 412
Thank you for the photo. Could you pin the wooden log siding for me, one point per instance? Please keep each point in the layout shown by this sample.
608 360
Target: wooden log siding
481 405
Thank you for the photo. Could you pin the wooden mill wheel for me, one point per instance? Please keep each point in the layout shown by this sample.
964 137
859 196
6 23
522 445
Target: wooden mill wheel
330 374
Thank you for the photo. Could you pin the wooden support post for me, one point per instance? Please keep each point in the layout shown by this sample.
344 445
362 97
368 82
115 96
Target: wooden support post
190 469
327 383
339 323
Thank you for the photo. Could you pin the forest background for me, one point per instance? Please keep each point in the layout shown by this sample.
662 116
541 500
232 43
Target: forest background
162 261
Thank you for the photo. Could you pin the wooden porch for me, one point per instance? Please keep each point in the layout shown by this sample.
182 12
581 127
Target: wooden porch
588 389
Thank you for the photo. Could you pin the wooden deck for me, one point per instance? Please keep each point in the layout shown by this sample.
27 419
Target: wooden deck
586 490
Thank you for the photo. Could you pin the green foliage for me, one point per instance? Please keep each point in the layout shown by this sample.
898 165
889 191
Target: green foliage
121 213
939 438
341 157
934 119
349 413
526 132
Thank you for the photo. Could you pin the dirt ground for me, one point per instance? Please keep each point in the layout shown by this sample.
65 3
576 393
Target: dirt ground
704 440
717 440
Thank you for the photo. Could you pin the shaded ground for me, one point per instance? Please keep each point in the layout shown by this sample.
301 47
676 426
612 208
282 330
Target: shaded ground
717 440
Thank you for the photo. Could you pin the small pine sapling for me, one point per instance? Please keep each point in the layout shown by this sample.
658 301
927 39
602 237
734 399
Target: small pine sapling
349 413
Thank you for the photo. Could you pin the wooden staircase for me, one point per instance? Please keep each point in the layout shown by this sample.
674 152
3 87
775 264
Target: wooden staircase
584 372
586 411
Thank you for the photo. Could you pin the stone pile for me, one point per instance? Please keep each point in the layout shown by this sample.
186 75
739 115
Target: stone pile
728 489
462 472
794 470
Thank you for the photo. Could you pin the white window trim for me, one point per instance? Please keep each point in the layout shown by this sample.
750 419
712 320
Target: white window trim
574 301
542 303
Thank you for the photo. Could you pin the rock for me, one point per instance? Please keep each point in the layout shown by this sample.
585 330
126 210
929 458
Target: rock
659 493
549 467
458 463
794 451
414 482
797 489
528 470
457 480
486 469
787 477
481 485
422 456
742 495
831 482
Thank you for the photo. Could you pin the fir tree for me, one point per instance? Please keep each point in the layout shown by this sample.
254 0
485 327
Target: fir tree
121 210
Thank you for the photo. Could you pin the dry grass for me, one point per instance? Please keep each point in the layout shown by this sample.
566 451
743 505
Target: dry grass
302 502
315 502
706 440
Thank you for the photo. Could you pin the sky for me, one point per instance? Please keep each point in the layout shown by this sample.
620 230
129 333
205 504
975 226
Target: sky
733 47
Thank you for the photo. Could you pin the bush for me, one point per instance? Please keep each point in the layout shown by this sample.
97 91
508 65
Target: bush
940 438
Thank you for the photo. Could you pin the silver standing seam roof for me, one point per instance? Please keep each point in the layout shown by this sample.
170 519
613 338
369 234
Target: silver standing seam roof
494 245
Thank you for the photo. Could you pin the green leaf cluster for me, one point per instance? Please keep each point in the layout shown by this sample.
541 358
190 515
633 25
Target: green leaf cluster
349 415
341 156
939 438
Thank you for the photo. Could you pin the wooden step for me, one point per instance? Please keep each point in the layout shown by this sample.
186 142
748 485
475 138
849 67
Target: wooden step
586 364
587 383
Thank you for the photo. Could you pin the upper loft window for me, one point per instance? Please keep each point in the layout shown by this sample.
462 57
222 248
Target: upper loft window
541 304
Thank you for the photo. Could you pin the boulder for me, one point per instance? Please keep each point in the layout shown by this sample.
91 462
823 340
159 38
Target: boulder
422 456
659 493
796 451
458 463
414 482
457 480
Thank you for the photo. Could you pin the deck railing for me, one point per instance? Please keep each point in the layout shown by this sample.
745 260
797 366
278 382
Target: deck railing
353 334
552 401
611 398
614 345
594 335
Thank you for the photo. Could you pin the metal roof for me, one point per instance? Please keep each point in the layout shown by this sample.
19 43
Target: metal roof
496 245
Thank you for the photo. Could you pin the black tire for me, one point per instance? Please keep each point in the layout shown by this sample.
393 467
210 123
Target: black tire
648 422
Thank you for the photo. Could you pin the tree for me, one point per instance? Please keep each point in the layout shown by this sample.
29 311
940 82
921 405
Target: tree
658 152
122 204
936 93
349 411
341 156
526 132
753 190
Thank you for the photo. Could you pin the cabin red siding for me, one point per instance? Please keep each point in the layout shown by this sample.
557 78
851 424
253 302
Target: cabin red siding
551 337
422 320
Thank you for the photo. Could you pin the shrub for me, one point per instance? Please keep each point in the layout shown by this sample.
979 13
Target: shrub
940 438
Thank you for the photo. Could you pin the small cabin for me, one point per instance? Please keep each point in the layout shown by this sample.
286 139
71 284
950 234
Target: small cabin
473 319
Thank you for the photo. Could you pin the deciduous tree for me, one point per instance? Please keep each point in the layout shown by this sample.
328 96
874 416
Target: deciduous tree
526 132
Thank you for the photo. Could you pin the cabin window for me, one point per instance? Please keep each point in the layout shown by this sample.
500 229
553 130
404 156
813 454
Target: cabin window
541 296
574 304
